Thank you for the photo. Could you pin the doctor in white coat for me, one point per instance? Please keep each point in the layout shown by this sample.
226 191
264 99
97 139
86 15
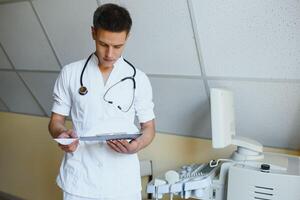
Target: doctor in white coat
103 94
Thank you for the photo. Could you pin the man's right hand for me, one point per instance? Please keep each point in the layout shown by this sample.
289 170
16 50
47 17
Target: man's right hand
71 147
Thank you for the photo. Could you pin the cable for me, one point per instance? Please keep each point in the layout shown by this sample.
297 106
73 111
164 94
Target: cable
214 163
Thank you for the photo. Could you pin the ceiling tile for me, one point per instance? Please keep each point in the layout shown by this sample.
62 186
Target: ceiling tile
70 32
181 106
101 2
41 85
23 39
4 63
266 112
162 39
249 38
2 106
16 96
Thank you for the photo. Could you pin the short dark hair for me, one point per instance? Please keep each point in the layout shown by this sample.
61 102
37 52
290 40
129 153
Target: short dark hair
112 17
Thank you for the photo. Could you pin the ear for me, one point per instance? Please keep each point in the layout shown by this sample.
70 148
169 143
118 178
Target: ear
94 32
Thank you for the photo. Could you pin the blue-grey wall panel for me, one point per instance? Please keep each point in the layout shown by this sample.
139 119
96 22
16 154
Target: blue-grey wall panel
266 112
2 106
181 106
41 85
16 96
23 39
69 29
250 38
4 63
162 40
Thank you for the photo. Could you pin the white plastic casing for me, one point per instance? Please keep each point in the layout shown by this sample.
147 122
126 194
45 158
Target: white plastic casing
222 117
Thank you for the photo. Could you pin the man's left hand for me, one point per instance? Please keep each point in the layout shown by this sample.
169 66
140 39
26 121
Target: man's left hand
123 146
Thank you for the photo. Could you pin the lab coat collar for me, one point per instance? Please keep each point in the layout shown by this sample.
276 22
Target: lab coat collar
95 60
116 74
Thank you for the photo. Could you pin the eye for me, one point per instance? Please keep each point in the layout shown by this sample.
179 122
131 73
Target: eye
118 47
102 44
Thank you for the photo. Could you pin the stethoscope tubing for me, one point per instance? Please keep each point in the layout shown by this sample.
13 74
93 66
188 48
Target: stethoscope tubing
83 90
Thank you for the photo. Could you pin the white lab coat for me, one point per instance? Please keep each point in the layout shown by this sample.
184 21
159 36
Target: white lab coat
94 170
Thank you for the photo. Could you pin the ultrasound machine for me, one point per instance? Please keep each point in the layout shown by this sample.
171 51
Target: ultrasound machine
249 174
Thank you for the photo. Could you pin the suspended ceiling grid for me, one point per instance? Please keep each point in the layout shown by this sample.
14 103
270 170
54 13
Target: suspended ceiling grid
185 46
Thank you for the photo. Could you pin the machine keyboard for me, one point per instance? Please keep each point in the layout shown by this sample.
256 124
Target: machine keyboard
194 170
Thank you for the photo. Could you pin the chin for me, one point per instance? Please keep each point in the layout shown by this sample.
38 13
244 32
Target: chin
108 64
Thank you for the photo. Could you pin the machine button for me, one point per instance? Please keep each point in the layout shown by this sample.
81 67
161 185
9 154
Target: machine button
265 167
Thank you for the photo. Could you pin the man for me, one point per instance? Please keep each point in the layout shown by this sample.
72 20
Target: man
105 102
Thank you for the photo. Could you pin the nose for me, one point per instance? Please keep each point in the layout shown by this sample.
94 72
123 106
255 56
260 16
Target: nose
109 52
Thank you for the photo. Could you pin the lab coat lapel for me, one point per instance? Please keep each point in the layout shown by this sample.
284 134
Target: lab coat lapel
114 74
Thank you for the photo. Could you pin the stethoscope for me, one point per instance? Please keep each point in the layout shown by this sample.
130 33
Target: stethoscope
83 90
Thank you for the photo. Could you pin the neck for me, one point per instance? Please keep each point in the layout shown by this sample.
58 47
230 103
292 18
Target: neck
105 69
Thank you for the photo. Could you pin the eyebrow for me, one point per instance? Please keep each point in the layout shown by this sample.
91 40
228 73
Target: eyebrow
112 45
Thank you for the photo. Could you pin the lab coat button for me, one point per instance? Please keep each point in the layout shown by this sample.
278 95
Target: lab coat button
100 164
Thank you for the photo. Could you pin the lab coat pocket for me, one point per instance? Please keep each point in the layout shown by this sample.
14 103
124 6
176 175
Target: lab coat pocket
70 169
70 175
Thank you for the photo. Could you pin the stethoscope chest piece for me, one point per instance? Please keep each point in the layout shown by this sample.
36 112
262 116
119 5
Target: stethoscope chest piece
83 90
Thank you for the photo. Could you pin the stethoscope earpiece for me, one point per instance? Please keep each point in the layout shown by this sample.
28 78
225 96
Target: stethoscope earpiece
83 90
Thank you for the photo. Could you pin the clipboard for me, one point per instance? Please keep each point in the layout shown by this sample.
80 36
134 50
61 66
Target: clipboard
104 137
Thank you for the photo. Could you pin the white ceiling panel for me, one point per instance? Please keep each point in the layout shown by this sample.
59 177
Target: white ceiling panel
162 39
23 39
4 63
249 38
16 96
266 112
100 2
181 106
41 85
9 1
69 29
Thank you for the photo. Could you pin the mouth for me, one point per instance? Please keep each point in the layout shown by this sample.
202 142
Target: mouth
108 60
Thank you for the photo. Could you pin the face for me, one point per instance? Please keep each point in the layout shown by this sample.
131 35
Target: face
109 46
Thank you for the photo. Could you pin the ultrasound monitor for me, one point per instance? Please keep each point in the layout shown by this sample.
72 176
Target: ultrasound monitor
224 129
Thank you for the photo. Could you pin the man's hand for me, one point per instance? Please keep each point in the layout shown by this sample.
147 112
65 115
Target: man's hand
123 146
71 147
57 129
